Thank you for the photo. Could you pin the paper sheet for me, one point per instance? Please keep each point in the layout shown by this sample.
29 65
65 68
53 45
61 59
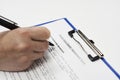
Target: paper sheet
65 61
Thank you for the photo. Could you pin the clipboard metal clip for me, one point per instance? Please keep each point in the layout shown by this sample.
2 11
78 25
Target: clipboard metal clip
90 43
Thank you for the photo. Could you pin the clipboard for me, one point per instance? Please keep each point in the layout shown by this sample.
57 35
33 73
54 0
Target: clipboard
90 43
93 58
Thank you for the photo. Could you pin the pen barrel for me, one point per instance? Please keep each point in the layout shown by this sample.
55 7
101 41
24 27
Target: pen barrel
91 45
8 24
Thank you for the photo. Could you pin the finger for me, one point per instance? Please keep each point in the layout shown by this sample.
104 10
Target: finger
39 33
40 45
36 55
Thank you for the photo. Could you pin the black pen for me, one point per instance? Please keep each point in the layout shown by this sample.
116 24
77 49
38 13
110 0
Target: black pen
11 25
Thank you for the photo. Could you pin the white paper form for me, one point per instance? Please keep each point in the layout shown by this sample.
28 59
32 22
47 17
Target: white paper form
64 61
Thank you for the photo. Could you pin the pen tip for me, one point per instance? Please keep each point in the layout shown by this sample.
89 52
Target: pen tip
51 44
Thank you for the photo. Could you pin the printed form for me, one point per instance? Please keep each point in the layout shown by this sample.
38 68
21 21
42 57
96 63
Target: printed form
64 61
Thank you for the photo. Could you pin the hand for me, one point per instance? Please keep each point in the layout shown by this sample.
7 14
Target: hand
20 47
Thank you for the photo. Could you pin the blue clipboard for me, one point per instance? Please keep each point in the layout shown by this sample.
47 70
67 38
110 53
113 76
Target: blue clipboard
74 28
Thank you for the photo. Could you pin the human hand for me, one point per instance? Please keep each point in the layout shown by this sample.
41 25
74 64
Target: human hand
20 47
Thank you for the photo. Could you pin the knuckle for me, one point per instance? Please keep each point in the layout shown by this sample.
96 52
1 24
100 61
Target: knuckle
45 46
24 66
23 63
41 55
23 46
38 56
23 31
23 59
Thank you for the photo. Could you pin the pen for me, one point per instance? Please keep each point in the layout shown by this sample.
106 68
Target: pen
11 25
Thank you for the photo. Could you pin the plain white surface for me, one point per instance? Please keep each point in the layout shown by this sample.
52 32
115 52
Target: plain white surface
98 19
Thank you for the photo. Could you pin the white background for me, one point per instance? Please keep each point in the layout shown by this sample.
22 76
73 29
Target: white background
98 19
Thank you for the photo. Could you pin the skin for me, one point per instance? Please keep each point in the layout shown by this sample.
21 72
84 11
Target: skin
19 48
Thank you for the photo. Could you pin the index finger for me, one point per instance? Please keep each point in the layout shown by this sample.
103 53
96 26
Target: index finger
39 33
